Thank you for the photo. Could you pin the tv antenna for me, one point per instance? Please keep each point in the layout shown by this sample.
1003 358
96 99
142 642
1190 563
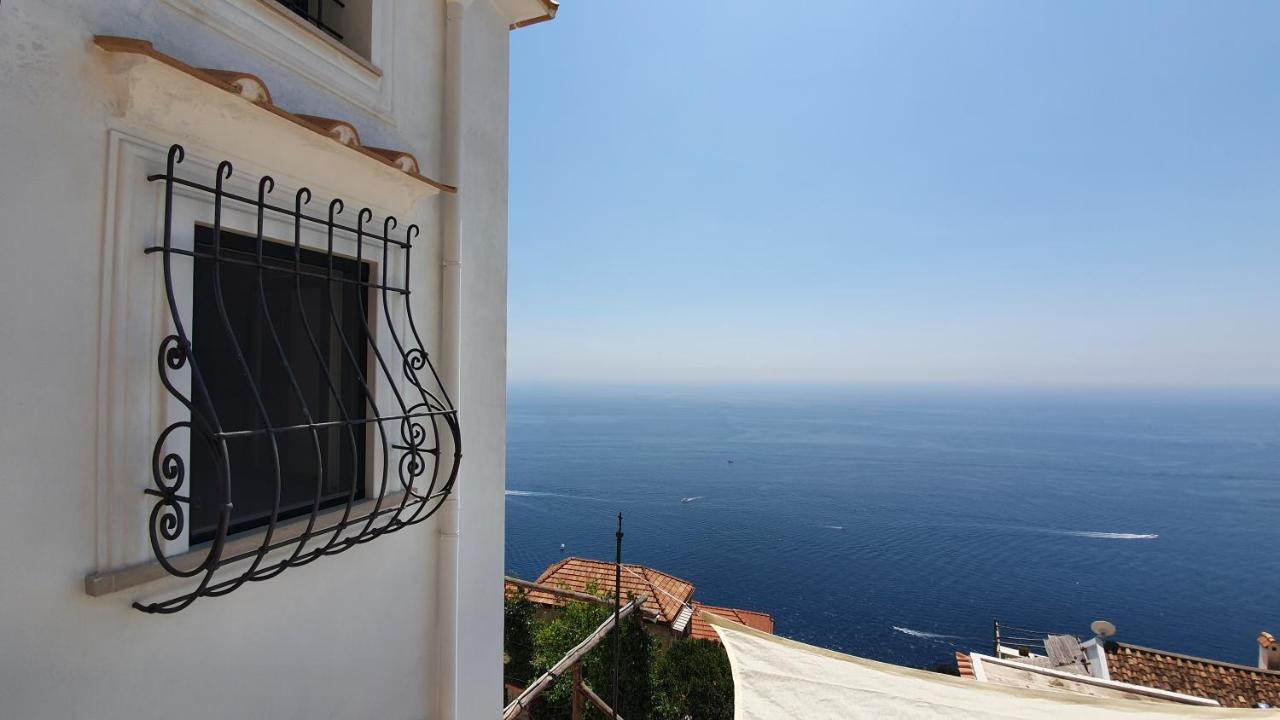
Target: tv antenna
1102 629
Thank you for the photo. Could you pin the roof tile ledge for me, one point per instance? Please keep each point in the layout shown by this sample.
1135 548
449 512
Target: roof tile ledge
254 90
701 630
552 6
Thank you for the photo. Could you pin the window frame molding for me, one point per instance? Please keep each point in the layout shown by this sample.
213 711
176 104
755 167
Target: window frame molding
278 35
133 406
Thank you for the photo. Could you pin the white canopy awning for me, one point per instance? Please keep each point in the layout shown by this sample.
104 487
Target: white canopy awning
775 679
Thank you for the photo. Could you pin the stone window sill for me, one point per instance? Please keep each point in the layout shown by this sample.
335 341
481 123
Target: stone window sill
111 581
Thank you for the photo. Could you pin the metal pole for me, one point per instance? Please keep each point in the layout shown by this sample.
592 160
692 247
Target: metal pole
995 637
617 628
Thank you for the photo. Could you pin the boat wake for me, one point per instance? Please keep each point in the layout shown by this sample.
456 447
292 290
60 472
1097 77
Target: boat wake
690 499
1094 534
1108 535
925 635
534 493
833 527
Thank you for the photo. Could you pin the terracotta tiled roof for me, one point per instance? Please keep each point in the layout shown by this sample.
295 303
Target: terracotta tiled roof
965 665
664 593
254 90
1229 684
703 631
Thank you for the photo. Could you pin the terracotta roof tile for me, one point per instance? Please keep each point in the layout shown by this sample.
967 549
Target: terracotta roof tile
1267 640
246 85
665 593
1229 684
252 88
965 665
340 130
703 631
402 160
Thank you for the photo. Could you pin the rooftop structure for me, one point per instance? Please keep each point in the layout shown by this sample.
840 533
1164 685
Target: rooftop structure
1230 684
702 630
669 594
670 601
1103 667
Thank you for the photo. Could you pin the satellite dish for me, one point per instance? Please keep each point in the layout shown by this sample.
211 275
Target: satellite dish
1102 629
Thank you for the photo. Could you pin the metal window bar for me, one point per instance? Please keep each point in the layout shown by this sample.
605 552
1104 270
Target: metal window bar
423 418
313 12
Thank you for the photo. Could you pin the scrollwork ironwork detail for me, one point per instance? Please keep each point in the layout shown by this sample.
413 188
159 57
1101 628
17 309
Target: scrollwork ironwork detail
428 450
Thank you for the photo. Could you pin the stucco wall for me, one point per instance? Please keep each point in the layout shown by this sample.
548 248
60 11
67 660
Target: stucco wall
353 636
482 216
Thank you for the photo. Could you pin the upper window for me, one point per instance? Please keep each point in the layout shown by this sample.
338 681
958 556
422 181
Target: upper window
347 21
279 358
314 12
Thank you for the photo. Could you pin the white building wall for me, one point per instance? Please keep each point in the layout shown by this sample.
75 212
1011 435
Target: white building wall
482 218
352 636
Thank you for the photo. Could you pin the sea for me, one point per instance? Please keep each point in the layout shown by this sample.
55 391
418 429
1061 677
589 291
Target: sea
898 523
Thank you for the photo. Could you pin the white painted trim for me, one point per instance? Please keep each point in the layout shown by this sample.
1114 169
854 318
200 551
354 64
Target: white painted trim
1097 654
979 672
261 27
450 526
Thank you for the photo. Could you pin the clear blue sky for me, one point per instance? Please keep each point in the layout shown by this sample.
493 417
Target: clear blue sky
897 192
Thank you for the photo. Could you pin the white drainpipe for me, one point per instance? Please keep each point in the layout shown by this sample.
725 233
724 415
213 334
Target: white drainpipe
446 670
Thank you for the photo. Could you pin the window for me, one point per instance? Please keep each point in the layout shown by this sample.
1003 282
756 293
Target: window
297 413
277 361
313 11
347 21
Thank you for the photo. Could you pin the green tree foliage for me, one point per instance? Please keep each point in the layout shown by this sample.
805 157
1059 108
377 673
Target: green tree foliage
638 650
553 638
692 679
517 639
689 679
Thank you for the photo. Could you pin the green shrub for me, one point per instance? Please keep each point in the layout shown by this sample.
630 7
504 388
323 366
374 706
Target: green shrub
691 678
517 639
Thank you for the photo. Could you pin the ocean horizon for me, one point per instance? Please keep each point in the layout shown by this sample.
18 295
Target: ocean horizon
896 523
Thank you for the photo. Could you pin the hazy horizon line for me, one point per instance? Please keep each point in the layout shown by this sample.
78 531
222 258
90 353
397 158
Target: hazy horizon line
890 385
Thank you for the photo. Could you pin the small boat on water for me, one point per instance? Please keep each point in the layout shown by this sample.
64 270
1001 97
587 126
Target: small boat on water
690 499
561 547
731 462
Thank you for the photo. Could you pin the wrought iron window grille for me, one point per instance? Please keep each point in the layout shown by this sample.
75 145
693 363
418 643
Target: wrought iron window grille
313 12
416 437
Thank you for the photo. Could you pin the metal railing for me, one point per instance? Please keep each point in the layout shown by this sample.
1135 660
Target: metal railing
1024 640
411 438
